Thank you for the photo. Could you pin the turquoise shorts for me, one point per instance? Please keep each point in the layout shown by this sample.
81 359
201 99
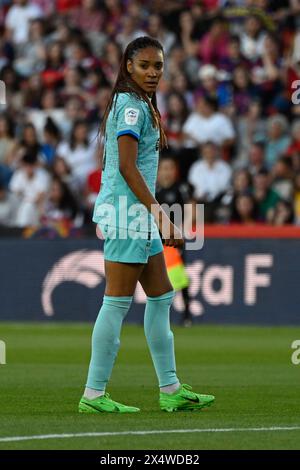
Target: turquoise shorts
134 247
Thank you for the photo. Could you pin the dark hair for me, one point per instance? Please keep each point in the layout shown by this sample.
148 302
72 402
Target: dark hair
235 38
183 102
125 84
166 155
211 101
9 124
289 206
263 172
235 215
34 148
52 128
67 201
29 159
209 143
287 161
78 123
259 143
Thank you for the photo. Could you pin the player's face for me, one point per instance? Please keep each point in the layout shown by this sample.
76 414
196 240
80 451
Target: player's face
146 68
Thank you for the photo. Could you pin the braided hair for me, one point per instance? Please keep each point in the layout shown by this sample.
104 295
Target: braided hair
125 84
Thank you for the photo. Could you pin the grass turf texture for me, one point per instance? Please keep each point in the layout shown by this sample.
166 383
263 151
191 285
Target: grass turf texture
248 369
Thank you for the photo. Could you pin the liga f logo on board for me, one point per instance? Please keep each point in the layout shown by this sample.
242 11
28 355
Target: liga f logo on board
2 353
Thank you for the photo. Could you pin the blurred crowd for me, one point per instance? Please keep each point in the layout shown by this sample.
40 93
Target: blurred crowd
229 100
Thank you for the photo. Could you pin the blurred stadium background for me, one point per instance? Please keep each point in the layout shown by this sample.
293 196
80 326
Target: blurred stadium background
230 104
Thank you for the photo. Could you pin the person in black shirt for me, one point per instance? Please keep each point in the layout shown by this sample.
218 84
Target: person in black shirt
171 190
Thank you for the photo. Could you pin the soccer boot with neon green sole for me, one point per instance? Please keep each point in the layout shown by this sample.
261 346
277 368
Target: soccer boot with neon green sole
184 399
104 404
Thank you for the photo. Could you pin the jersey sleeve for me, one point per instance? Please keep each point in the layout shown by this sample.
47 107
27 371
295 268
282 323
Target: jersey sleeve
130 117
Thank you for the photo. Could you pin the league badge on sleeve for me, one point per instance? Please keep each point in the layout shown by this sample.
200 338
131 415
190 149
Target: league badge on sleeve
131 116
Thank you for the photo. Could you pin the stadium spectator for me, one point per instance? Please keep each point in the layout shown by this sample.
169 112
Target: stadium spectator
256 161
241 184
294 147
87 17
110 61
49 108
30 184
278 139
28 144
60 206
207 124
80 55
245 210
51 139
266 76
186 31
78 153
33 55
73 78
213 47
129 31
171 191
157 30
13 92
8 207
282 214
265 197
53 72
210 177
211 87
8 145
176 115
250 129
74 111
62 171
179 83
18 20
114 13
243 91
252 38
234 57
282 178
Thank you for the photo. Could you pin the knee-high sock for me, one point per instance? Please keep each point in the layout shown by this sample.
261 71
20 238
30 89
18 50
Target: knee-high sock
160 337
106 340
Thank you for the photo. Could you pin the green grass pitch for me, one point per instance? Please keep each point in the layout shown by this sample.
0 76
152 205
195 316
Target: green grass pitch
248 369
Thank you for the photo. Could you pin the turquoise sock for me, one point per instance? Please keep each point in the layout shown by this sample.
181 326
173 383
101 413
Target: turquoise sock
160 337
106 340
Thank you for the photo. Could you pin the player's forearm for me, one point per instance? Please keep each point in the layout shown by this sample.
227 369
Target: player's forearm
138 186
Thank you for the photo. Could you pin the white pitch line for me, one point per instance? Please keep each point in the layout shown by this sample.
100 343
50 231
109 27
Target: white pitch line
143 433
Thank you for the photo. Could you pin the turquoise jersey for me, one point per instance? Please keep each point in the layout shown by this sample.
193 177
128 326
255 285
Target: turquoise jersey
116 205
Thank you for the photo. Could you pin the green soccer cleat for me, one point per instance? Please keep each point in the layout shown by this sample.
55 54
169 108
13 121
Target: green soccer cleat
184 399
104 404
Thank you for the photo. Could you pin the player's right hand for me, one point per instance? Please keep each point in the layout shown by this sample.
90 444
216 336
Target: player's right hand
171 234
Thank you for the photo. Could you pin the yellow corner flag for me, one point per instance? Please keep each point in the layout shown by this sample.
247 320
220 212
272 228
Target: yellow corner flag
175 267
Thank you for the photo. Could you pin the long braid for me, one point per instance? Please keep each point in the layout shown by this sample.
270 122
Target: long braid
125 84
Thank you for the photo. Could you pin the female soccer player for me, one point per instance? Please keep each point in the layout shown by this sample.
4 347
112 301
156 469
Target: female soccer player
129 217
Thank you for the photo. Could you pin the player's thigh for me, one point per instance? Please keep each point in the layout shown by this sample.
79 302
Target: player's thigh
121 278
154 277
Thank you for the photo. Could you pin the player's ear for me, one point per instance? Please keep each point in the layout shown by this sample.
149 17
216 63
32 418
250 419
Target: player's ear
129 66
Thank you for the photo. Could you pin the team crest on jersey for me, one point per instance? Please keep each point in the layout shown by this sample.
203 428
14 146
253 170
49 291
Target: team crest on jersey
131 116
